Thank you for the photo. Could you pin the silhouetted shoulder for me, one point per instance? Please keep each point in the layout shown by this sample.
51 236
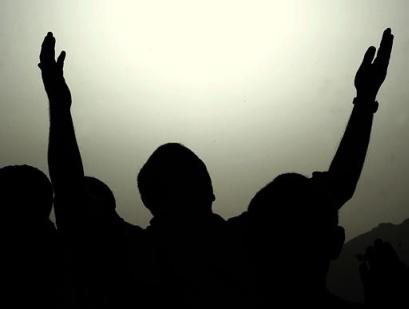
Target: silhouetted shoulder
238 220
133 234
238 225
131 228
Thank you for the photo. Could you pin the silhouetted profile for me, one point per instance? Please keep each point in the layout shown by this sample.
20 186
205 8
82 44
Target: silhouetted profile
294 219
30 268
105 250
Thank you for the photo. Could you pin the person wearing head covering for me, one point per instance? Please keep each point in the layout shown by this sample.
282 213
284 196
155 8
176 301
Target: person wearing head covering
293 220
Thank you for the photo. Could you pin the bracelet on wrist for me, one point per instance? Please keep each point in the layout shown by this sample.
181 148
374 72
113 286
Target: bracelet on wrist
370 106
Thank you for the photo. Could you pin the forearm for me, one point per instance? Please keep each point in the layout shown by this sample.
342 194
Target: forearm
346 167
65 167
64 158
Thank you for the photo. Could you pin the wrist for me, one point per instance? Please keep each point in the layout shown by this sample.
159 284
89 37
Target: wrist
366 95
366 104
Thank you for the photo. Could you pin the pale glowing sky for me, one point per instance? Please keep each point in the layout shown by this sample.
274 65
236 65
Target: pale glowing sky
255 88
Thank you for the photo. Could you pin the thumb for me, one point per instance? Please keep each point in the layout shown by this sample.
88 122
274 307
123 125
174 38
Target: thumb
60 60
368 58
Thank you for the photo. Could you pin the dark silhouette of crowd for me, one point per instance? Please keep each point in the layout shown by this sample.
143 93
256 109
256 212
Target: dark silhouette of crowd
275 254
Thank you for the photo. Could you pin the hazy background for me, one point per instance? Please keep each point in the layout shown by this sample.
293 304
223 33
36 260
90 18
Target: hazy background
255 88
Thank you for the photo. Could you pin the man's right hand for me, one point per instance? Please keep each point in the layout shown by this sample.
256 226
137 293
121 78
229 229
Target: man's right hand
53 74
372 72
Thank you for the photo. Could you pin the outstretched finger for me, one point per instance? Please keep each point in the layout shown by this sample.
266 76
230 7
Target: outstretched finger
385 49
47 54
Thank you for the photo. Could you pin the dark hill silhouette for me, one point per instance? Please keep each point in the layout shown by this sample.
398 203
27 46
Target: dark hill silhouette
344 279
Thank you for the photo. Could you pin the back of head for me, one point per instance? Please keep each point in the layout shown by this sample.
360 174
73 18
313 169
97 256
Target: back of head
296 201
296 226
100 201
29 241
27 193
175 181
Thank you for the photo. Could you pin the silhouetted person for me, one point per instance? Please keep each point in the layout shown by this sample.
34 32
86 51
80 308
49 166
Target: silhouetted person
188 244
295 235
30 258
177 262
105 250
197 268
176 188
385 277
294 219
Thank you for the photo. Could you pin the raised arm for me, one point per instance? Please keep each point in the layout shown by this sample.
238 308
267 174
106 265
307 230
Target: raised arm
64 159
347 164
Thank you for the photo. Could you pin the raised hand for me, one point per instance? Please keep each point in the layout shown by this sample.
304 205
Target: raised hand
53 74
384 277
372 73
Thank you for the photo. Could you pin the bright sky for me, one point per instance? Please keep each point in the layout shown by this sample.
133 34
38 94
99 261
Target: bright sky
255 88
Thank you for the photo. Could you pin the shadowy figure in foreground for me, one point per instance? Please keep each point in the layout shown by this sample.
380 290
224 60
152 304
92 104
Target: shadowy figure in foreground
176 187
182 258
196 264
30 258
385 277
191 257
101 244
294 219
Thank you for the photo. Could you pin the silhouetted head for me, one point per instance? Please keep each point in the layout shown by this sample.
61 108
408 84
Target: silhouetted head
101 203
26 193
296 224
175 182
